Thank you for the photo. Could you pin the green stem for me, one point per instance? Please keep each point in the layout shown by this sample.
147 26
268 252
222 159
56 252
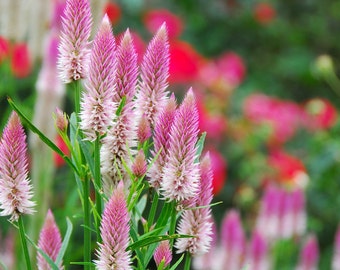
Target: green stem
173 222
87 223
77 90
187 261
97 180
153 209
24 243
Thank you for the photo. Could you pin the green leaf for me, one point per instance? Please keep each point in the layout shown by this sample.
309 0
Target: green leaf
178 262
154 239
121 106
65 242
200 145
46 140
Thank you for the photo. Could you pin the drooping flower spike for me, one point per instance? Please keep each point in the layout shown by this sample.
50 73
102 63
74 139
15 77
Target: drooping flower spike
73 49
49 241
154 74
181 172
15 186
97 106
114 231
198 222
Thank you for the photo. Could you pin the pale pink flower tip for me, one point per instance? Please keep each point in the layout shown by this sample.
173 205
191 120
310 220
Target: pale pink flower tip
15 187
309 255
49 241
163 253
154 74
73 49
139 167
114 230
181 172
97 106
144 130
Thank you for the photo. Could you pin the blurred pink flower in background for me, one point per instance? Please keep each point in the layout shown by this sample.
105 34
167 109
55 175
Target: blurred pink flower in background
153 19
58 160
21 64
264 13
309 254
4 48
113 11
336 252
219 168
257 253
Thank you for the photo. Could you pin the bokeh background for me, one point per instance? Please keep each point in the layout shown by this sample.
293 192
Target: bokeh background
265 73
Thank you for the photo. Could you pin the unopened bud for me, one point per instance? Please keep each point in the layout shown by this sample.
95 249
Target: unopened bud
61 121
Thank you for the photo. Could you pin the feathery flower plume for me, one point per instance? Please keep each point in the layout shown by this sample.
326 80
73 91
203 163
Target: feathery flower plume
49 241
161 141
257 258
181 172
232 241
114 230
154 74
197 222
73 49
15 187
336 252
309 255
97 106
163 253
122 134
139 166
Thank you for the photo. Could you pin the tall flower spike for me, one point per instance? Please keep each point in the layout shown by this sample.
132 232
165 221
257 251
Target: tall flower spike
197 222
161 141
154 74
181 172
97 106
122 134
49 241
73 49
15 187
163 253
309 255
114 231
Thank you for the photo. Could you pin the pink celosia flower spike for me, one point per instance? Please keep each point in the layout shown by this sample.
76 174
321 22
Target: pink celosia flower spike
49 241
181 171
97 106
197 222
309 255
336 252
161 141
122 134
154 74
73 49
114 231
15 187
139 166
163 253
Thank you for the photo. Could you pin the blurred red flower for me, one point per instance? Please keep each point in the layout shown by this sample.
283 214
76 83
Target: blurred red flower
284 117
21 62
184 62
113 11
58 160
319 114
219 168
264 13
287 168
4 48
153 19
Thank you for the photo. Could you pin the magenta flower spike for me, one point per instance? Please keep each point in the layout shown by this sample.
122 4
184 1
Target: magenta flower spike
122 135
73 49
257 257
181 171
161 142
49 241
15 186
299 212
97 106
163 253
152 92
114 231
232 241
309 255
197 222
336 252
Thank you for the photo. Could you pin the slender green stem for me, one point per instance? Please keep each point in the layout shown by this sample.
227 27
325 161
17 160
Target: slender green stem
77 90
24 243
97 180
153 209
87 223
187 261
173 222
